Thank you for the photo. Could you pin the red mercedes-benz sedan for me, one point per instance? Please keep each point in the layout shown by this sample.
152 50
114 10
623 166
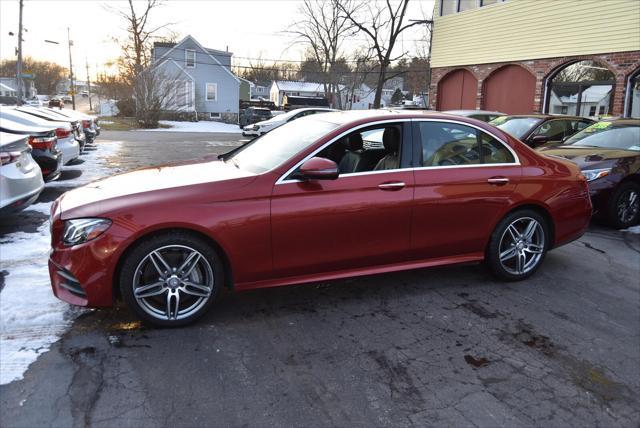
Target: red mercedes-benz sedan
326 196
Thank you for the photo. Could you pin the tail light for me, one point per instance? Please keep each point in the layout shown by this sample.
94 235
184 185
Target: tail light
62 132
86 124
42 143
9 157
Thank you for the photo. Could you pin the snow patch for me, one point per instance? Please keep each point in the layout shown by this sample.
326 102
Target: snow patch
633 229
31 318
202 126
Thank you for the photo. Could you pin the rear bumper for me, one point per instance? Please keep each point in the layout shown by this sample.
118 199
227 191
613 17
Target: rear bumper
70 149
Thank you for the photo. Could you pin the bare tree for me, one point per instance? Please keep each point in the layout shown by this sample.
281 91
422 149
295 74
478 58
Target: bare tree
323 29
382 24
156 92
136 48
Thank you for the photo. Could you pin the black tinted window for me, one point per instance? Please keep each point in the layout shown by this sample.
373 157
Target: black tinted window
494 151
552 129
445 144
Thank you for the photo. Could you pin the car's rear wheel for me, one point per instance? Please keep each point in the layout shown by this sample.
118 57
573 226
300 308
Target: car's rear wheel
624 206
171 279
518 245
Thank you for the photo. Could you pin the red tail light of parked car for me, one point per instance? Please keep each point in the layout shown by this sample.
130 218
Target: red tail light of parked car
62 132
43 143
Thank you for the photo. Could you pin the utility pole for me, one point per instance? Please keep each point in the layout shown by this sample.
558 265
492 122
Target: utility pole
72 87
88 84
19 62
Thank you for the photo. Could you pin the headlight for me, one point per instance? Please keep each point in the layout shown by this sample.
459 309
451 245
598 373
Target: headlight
594 174
82 230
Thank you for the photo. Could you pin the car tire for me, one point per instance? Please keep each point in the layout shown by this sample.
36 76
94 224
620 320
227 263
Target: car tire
623 208
162 287
518 245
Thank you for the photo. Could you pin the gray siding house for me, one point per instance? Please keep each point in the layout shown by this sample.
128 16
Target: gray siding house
203 79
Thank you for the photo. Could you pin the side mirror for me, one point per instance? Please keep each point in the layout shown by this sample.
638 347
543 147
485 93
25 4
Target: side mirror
319 169
539 140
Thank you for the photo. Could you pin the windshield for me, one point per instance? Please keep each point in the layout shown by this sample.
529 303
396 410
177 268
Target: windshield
276 147
516 126
608 135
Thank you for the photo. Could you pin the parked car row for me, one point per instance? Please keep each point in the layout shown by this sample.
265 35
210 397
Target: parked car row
261 128
36 143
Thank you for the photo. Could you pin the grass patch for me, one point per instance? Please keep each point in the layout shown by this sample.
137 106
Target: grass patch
113 123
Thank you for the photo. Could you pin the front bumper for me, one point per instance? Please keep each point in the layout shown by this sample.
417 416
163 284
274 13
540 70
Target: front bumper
82 275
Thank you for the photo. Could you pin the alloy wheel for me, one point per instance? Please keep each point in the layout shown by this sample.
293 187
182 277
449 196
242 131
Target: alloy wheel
522 246
628 206
173 282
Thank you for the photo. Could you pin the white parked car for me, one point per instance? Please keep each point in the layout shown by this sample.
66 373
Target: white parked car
34 102
67 142
21 178
260 128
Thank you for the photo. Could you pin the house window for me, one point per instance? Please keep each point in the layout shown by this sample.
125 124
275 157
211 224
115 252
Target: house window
214 115
592 111
466 5
448 7
601 111
212 91
190 58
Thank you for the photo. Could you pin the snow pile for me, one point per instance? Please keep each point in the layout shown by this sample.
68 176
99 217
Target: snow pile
633 229
202 126
31 318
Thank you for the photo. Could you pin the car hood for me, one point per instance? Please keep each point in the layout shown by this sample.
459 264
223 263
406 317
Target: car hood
271 122
589 157
113 192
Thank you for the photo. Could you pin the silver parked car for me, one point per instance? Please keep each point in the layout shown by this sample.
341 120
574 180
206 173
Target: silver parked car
20 176
67 142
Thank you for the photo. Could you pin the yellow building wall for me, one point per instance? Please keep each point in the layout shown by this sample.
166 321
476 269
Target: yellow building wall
534 29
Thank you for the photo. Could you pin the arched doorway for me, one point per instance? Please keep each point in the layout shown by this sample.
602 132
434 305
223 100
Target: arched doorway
510 89
457 90
583 88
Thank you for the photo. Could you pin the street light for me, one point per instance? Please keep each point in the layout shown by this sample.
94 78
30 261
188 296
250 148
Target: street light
72 86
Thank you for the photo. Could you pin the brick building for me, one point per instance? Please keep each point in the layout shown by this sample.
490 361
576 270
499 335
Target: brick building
520 56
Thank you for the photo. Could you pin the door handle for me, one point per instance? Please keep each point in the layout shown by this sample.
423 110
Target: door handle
498 181
393 185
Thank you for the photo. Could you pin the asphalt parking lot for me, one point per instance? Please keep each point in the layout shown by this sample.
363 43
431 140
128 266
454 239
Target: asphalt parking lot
440 347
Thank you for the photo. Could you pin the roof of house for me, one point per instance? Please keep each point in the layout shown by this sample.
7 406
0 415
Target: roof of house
288 85
7 87
163 44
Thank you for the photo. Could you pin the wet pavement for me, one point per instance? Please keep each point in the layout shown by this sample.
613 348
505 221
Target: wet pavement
433 347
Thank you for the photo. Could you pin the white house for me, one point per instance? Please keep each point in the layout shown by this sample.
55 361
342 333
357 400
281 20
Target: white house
362 98
28 88
7 91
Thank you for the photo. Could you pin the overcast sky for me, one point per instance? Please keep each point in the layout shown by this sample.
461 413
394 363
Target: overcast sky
250 28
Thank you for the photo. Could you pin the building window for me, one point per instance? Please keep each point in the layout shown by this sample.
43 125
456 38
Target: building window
214 115
580 89
633 90
466 5
190 58
448 7
212 91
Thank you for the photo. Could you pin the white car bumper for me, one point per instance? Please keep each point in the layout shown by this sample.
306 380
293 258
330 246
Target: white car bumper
70 149
21 183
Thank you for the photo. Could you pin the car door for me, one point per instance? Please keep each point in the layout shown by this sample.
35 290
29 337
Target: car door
358 220
463 183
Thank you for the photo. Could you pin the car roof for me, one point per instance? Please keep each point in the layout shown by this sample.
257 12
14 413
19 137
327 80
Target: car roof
547 116
12 113
623 121
348 116
470 112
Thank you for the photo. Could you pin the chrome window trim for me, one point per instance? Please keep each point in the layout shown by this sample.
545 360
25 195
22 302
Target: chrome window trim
516 162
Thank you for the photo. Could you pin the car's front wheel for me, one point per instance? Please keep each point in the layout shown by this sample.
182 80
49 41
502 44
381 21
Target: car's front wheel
171 279
624 206
518 245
